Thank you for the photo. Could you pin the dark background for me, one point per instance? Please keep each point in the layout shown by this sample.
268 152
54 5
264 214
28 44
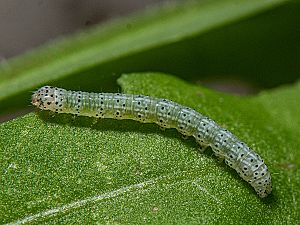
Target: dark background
27 24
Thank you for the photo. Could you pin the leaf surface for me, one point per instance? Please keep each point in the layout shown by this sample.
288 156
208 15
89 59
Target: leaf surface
77 171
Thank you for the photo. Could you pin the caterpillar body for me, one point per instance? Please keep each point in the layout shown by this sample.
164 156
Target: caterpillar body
167 114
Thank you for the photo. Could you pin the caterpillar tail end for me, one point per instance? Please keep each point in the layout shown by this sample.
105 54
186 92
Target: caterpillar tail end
263 187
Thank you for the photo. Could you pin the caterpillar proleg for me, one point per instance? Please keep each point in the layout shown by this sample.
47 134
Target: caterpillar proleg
167 114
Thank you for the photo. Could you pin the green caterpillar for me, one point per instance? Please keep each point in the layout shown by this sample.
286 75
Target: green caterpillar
167 114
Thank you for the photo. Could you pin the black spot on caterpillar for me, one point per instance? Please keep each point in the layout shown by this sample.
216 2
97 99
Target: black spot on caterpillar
167 114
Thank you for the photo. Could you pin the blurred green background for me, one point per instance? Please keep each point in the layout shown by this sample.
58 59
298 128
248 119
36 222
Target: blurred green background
246 45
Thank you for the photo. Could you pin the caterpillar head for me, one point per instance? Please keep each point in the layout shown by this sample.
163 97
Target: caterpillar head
47 98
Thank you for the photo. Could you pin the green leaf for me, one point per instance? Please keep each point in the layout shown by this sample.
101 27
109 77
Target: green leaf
77 170
203 38
72 170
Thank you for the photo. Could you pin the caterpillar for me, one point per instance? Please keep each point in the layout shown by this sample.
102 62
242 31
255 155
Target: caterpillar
167 114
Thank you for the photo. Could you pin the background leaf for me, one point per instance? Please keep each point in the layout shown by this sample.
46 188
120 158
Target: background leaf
256 40
75 171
